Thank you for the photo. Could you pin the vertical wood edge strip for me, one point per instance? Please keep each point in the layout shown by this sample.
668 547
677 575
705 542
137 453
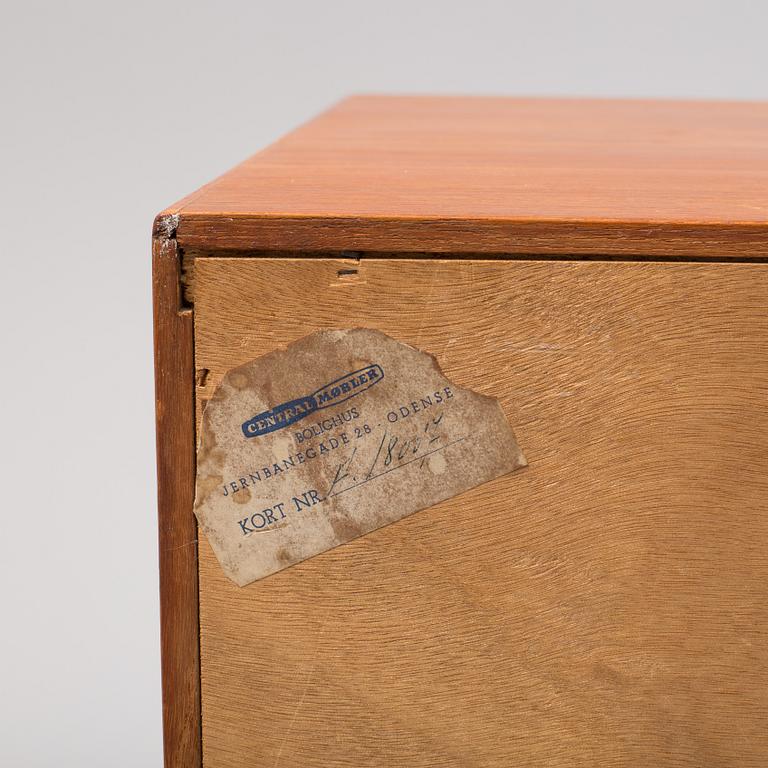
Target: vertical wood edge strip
175 422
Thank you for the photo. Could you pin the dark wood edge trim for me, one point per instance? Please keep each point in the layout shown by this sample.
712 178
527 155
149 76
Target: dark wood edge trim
570 238
175 418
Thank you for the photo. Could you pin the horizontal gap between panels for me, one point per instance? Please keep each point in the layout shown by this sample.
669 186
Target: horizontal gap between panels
193 253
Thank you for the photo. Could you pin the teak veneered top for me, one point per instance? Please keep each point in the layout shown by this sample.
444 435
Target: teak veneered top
500 175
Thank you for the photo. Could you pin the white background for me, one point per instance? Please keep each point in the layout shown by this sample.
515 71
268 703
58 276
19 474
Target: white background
108 113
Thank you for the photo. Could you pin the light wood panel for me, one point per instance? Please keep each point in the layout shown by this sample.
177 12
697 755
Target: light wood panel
453 174
605 606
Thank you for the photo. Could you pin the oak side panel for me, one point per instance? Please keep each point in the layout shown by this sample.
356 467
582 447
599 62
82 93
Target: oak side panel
606 606
179 623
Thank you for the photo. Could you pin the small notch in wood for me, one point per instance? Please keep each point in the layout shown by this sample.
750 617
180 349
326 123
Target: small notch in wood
201 377
347 274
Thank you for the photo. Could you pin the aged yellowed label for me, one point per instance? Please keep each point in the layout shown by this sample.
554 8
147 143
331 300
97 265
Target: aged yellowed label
341 433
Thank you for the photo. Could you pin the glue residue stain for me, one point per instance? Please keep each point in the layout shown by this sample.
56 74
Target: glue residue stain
437 464
206 486
344 528
238 380
243 496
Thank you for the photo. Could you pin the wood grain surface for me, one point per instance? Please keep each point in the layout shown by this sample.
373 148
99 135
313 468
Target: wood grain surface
175 413
605 606
500 175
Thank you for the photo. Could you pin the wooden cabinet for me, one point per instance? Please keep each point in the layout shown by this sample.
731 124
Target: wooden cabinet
600 268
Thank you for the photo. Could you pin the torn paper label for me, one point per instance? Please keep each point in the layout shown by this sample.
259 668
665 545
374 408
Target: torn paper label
341 433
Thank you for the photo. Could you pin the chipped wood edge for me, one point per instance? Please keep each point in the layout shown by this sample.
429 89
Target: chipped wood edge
175 424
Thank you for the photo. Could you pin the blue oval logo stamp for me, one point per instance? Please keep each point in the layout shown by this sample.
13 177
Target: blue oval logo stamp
339 390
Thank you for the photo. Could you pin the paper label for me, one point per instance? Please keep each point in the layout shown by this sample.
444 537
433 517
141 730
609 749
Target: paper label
341 433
